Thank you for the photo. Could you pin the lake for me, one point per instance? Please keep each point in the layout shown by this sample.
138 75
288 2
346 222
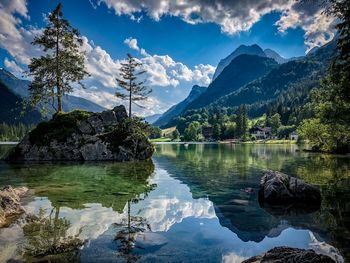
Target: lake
190 203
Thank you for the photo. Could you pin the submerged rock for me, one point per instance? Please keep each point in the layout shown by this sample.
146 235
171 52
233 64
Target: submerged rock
10 205
279 188
86 136
287 254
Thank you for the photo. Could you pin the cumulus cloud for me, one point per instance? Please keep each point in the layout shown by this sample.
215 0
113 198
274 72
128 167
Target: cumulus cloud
132 43
236 16
319 28
161 72
13 37
13 67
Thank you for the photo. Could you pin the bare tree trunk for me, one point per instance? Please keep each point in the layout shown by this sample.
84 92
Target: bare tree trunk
59 90
130 100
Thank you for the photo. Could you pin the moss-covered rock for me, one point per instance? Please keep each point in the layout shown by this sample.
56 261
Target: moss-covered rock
86 136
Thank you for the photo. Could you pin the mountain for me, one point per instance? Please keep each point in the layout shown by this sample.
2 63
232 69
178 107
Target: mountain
152 118
69 102
303 73
241 70
284 89
10 108
274 55
242 49
178 108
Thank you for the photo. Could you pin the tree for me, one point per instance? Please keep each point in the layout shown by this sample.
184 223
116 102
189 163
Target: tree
192 132
175 135
155 132
242 122
62 64
135 90
329 129
217 131
274 122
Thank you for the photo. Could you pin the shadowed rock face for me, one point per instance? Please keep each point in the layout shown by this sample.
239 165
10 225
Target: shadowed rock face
10 206
279 188
85 136
286 254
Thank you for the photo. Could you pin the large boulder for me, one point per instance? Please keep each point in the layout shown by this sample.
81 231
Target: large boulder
86 136
279 188
287 254
10 205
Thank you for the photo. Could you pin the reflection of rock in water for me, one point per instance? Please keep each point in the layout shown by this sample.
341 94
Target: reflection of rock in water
47 239
289 209
287 254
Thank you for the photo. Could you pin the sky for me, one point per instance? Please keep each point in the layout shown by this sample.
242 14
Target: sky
179 42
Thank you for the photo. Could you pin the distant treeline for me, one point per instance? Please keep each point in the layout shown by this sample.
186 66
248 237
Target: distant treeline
14 132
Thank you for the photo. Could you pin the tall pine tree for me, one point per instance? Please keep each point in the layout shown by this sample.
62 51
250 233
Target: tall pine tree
62 64
242 122
132 89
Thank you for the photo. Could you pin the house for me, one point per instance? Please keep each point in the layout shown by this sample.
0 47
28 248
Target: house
293 136
207 132
261 133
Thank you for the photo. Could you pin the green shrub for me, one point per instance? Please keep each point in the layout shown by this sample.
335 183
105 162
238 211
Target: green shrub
58 128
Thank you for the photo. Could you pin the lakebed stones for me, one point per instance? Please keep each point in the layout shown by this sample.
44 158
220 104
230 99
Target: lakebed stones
85 136
287 254
10 205
278 188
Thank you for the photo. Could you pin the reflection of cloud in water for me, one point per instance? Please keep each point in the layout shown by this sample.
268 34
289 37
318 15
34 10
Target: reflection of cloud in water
232 258
171 202
93 220
168 204
10 238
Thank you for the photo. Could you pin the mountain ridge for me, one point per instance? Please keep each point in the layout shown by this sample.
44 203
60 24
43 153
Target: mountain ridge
70 102
178 108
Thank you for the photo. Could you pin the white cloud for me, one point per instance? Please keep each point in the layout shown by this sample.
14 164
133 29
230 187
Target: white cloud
318 27
132 43
236 16
163 71
14 38
13 67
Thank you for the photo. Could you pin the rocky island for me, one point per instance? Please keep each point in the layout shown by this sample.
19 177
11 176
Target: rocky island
86 136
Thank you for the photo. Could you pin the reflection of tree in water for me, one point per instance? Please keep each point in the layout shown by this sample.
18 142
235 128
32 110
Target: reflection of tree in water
128 230
47 239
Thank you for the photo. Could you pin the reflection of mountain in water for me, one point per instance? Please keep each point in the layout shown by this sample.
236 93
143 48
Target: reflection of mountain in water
223 174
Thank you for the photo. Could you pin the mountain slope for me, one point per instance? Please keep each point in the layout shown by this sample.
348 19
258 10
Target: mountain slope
239 72
10 108
20 87
267 88
273 54
178 108
242 49
152 118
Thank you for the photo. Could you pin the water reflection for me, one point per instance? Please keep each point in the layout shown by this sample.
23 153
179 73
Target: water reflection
223 174
189 204
48 240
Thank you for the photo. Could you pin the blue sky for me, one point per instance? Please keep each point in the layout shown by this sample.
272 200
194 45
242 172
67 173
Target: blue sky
180 44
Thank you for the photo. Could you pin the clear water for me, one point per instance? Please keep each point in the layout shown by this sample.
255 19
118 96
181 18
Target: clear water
189 204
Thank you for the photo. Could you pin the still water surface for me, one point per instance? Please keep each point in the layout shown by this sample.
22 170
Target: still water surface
195 203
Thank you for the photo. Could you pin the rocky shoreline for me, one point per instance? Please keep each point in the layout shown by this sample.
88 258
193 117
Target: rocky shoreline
10 203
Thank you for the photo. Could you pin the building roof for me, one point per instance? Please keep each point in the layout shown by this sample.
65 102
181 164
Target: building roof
262 129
